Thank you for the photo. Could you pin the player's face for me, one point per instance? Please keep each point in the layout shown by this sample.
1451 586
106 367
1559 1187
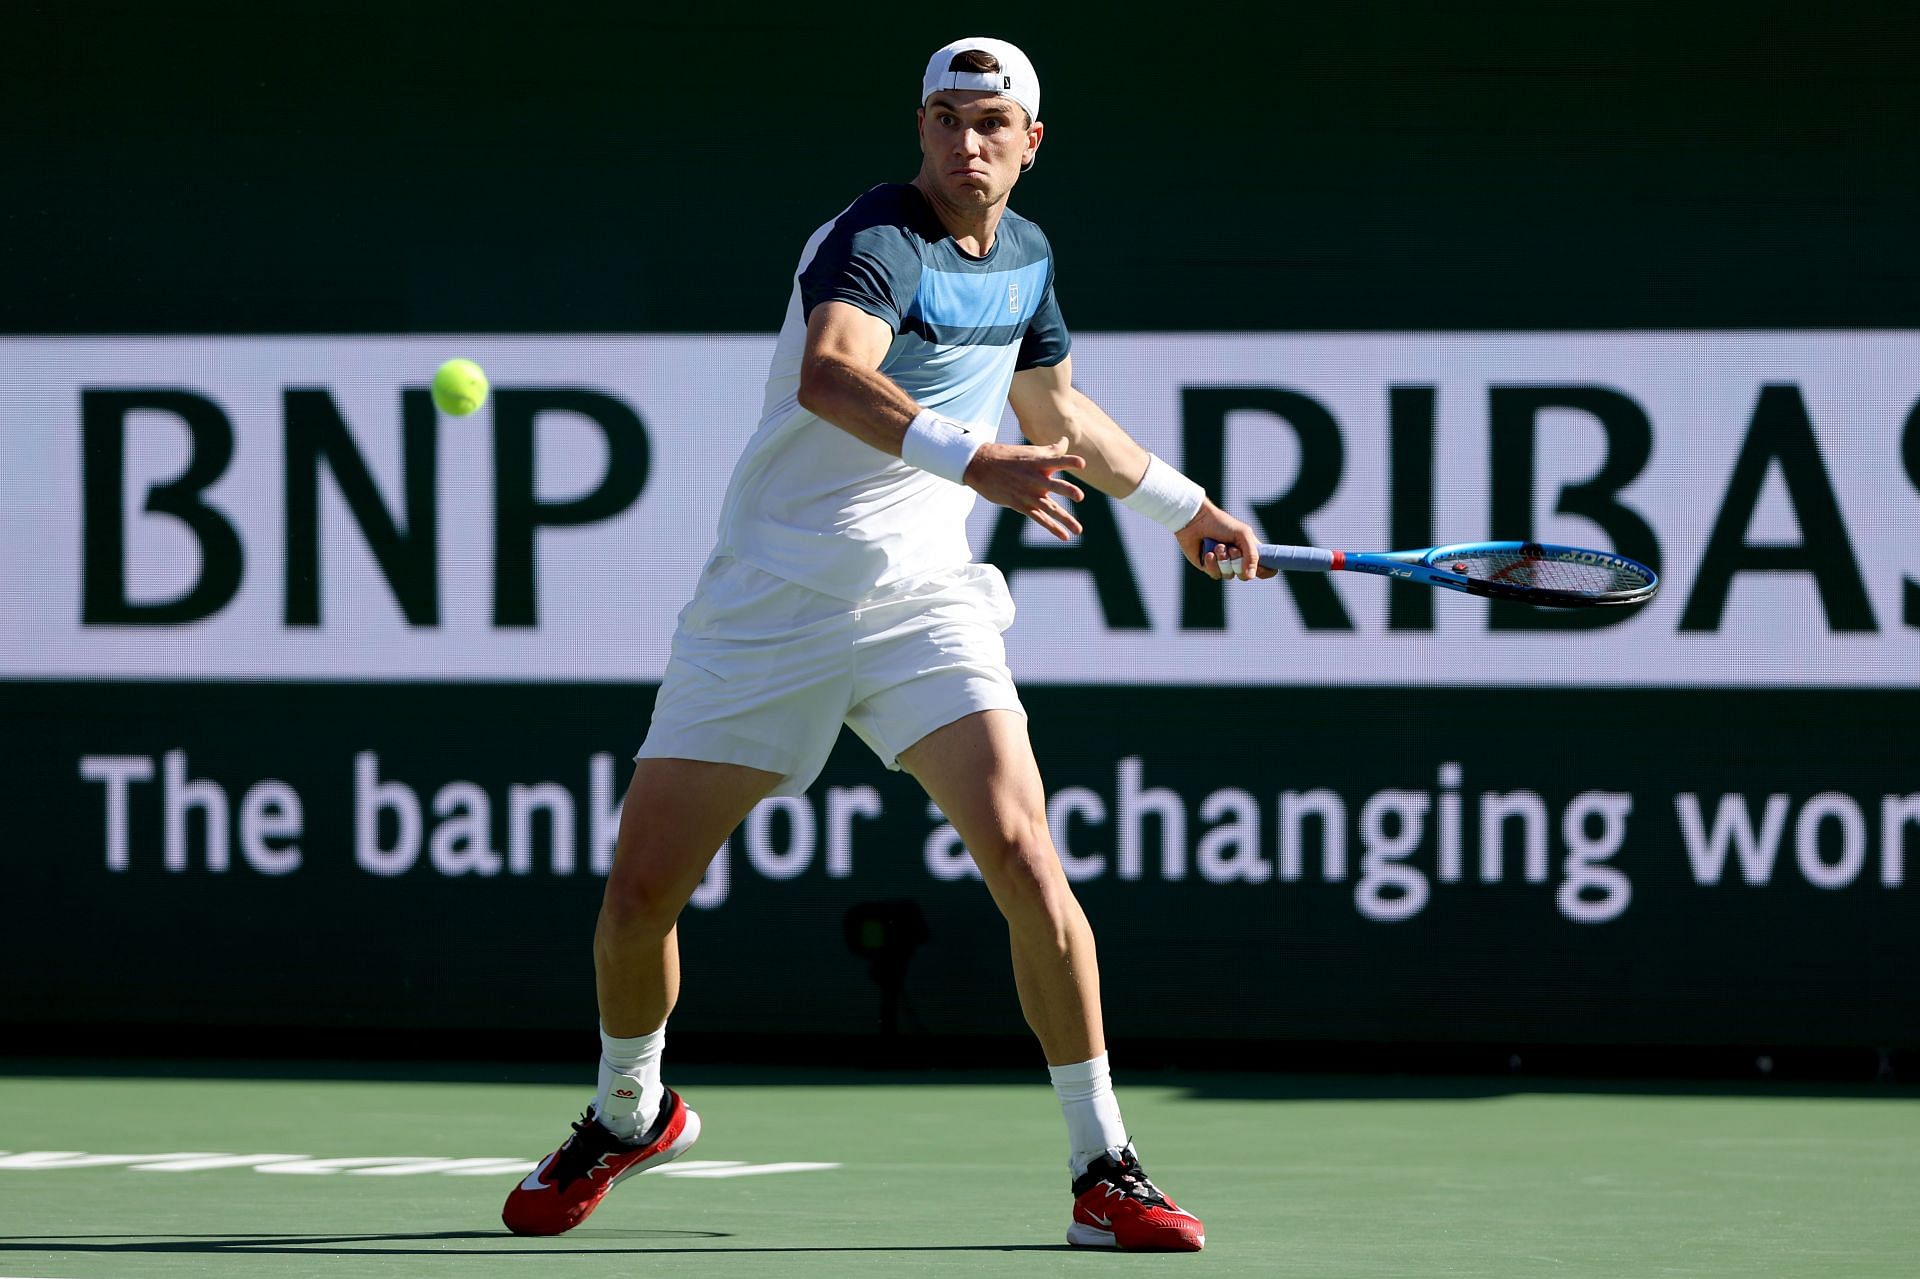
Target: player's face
972 144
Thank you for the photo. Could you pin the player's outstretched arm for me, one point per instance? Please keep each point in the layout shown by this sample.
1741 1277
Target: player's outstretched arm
1053 411
841 382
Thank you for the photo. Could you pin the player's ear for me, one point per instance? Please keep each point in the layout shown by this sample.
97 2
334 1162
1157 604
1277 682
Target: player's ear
1035 132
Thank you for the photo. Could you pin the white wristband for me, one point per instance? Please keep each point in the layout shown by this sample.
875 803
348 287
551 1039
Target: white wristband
941 445
1166 495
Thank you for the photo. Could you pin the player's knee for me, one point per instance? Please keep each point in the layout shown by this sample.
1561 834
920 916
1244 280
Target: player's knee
638 903
1026 871
1008 849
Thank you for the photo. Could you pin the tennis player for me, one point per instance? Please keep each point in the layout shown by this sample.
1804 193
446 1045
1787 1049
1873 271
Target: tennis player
842 590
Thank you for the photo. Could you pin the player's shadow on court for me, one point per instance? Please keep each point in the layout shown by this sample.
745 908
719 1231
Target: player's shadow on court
644 1242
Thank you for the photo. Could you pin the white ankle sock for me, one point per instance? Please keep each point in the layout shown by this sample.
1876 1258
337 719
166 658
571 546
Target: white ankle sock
630 1090
1086 1097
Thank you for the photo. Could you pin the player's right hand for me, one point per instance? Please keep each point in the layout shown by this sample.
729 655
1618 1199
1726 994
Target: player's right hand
1230 560
1022 477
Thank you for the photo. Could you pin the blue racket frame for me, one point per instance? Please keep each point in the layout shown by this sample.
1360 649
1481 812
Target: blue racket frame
1424 567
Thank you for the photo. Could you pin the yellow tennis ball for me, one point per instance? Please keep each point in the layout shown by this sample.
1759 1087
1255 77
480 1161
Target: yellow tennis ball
460 387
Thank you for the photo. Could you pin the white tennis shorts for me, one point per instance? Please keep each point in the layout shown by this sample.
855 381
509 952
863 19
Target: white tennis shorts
764 671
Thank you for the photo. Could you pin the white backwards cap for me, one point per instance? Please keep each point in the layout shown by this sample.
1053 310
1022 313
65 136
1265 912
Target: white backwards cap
1015 78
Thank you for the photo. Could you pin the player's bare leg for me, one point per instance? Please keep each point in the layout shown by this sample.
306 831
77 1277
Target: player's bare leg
677 814
980 770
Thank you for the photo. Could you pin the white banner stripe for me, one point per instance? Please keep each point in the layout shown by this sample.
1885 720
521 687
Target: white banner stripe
1777 439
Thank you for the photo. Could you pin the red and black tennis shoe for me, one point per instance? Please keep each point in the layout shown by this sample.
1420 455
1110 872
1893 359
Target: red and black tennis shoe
1115 1206
571 1182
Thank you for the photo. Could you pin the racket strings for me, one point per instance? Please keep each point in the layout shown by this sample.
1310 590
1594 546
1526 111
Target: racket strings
1513 568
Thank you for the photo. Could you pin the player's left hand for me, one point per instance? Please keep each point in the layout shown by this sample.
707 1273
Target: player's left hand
1025 478
1244 556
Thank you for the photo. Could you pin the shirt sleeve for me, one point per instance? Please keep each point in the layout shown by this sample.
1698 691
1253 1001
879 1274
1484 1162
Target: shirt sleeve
1046 341
870 267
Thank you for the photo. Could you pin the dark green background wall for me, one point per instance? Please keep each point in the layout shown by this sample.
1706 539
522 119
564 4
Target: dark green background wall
425 167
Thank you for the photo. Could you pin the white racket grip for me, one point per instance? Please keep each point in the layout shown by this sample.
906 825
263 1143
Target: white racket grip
1285 559
1298 559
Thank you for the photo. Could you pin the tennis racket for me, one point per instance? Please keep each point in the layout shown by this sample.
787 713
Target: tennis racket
1530 572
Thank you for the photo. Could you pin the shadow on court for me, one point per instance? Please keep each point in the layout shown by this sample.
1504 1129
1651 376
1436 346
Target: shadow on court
647 1242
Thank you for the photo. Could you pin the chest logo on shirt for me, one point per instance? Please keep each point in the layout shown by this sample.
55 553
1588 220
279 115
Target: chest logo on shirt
1013 297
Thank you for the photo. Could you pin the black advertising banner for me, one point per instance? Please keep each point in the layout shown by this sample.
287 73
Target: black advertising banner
1689 867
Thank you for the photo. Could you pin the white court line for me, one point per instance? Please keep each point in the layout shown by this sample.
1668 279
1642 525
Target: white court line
37 1160
360 1165
462 1167
206 1163
327 1167
745 1170
495 1168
